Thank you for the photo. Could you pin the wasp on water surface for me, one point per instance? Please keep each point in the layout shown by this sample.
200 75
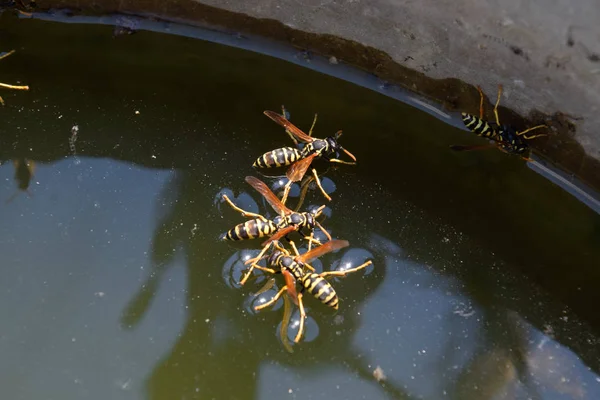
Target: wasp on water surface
7 86
504 137
293 269
285 223
300 160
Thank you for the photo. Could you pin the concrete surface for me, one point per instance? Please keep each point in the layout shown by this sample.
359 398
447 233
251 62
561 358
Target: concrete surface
546 53
522 44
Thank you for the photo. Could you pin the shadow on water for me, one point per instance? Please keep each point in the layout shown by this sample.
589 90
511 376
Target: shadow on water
485 274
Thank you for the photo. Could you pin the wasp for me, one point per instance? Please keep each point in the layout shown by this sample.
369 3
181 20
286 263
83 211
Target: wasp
285 223
293 270
299 160
504 137
7 86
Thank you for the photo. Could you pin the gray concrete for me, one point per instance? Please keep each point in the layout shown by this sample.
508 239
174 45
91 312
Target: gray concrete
475 41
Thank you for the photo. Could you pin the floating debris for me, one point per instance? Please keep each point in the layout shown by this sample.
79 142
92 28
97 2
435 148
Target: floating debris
379 375
72 140
7 86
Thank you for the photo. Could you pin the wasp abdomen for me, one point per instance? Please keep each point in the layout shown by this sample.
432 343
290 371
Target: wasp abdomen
278 158
251 229
321 289
478 126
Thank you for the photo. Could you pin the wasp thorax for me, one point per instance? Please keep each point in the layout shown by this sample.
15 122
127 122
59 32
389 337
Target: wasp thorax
274 257
296 219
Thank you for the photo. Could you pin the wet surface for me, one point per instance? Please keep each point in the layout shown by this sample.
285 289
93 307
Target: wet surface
115 284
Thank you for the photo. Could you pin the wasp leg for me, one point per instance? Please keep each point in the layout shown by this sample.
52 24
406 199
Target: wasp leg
7 54
319 185
496 105
283 112
1 100
257 259
324 230
243 212
531 129
312 240
294 248
303 191
302 317
346 272
313 125
269 270
286 191
7 86
480 102
253 264
297 253
335 160
272 301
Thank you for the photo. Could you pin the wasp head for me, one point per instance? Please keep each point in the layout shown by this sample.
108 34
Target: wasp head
336 148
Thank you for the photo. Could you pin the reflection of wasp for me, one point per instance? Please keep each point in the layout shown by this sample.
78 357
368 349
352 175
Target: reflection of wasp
293 270
300 160
7 86
505 138
286 222
23 172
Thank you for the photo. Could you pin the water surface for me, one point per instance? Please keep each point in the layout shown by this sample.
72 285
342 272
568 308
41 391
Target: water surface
115 285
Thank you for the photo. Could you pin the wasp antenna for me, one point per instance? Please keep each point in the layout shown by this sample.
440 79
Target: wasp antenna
349 154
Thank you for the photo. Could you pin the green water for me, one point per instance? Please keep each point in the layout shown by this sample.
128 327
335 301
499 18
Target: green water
115 284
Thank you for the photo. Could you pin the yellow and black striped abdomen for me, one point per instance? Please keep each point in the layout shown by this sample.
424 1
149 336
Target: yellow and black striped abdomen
478 126
252 229
321 289
278 158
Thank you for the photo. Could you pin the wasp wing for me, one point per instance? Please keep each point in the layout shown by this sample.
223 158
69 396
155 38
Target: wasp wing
290 283
298 169
291 128
264 190
280 234
321 250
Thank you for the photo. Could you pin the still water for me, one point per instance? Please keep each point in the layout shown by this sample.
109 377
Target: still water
115 283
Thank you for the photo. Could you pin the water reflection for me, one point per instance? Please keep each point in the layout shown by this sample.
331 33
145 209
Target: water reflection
24 170
432 332
219 326
459 341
